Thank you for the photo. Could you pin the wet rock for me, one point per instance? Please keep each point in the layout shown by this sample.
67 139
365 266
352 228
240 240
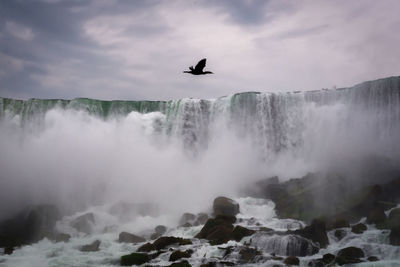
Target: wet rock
339 234
239 232
359 228
328 258
91 247
61 237
8 250
29 226
392 221
225 206
376 215
126 237
166 241
248 255
177 255
349 255
218 230
339 223
291 260
373 258
315 232
180 264
84 223
135 259
394 236
146 248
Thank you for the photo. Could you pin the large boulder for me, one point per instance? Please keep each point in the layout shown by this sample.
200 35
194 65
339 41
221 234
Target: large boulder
315 232
135 259
218 230
376 215
146 247
126 237
394 236
291 260
392 221
359 228
239 232
177 254
84 223
349 255
166 241
29 226
93 247
248 255
225 206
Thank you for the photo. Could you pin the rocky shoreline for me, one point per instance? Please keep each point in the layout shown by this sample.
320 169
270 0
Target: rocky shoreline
226 238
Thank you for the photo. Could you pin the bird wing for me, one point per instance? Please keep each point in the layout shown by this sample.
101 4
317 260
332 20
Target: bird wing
200 66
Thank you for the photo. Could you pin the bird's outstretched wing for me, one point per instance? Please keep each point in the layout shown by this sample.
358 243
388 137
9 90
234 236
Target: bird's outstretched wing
200 66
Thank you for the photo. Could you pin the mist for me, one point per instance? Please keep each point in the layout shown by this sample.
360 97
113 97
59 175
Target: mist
76 159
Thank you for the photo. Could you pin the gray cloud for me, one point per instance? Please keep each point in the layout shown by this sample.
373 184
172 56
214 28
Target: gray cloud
138 49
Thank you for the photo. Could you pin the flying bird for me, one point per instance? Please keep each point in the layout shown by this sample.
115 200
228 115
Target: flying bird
198 70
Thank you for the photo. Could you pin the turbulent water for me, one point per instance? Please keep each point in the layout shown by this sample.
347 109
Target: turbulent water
83 154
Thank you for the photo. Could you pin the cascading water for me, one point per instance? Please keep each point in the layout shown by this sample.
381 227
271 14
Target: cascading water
82 153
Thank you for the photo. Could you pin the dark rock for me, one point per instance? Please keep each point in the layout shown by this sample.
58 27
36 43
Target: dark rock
180 264
29 226
359 228
291 260
126 237
165 241
315 232
8 250
177 255
394 214
349 255
91 247
84 223
218 230
392 221
239 232
339 234
394 236
340 223
134 259
327 258
376 215
248 255
146 248
220 234
225 206
373 258
61 237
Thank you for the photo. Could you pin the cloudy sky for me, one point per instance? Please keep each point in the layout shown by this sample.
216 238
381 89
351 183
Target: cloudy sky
109 49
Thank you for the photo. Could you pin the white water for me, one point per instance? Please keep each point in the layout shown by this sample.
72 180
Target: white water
45 253
182 158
